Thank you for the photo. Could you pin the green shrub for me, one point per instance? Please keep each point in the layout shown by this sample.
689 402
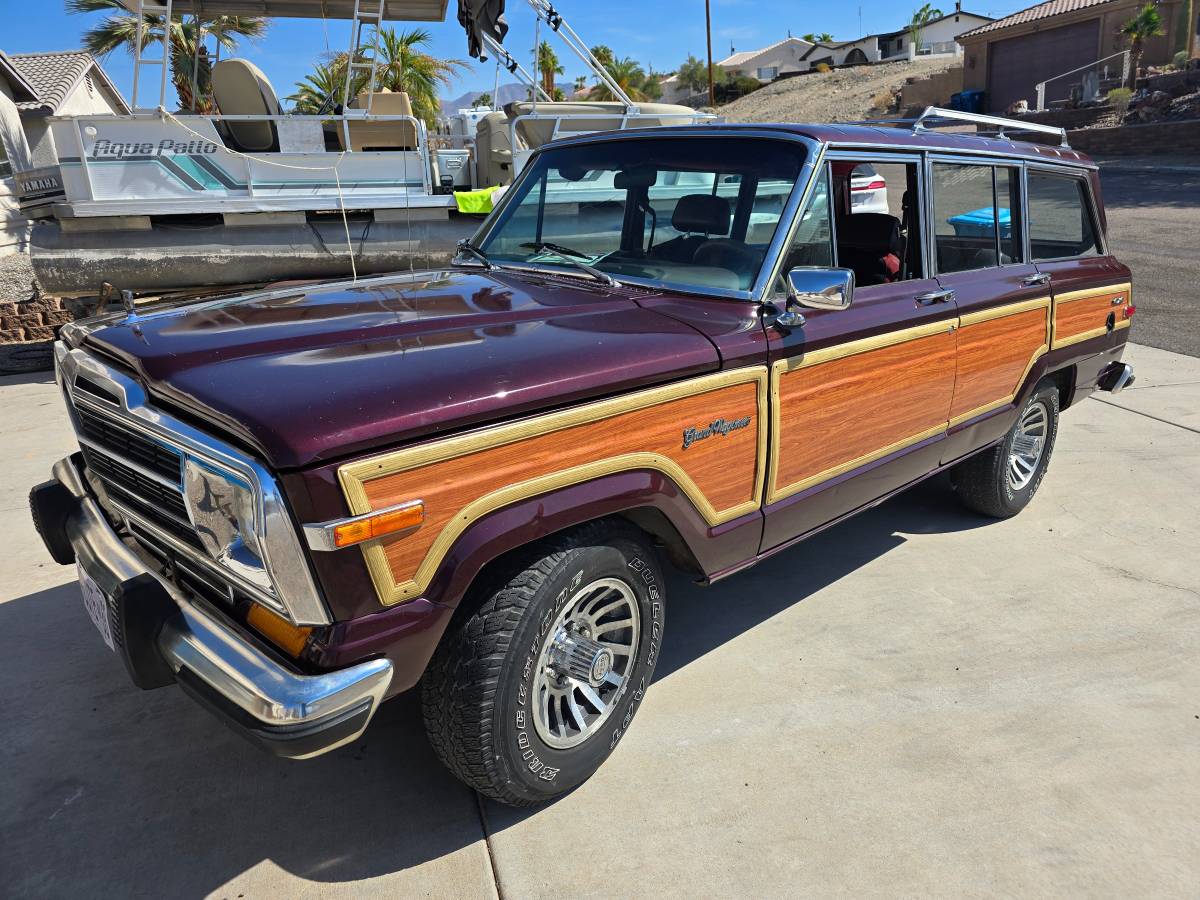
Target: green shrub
1180 60
1119 98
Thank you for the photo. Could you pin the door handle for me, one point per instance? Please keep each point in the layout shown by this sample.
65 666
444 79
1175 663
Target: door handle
943 296
1039 278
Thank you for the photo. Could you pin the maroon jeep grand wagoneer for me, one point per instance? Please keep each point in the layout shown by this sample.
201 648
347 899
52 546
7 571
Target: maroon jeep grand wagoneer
687 344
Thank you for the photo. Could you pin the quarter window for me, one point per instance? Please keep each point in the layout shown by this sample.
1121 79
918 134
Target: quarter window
1060 220
976 216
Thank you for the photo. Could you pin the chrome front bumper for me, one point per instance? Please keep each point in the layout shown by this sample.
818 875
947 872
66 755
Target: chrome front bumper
161 632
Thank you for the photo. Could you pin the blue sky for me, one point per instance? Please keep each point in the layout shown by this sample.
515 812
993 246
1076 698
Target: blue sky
660 33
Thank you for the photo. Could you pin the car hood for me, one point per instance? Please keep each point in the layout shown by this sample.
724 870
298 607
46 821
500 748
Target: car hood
325 371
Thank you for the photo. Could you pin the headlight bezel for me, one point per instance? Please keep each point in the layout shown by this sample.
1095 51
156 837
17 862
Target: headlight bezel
293 593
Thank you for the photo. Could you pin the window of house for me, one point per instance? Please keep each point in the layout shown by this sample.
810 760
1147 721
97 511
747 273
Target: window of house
976 216
5 165
1060 217
768 73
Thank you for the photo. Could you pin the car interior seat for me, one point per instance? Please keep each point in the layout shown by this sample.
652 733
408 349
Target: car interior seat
241 89
698 217
870 244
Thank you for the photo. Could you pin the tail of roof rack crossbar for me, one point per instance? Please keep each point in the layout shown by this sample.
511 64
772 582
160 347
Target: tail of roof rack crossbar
934 116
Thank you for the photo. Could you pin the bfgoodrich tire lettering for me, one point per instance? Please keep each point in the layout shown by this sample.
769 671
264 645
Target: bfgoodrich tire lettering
481 692
1002 480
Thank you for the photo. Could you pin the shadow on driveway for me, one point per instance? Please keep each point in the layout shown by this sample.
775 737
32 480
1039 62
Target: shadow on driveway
108 790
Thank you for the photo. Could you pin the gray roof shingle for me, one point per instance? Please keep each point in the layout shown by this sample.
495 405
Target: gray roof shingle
54 75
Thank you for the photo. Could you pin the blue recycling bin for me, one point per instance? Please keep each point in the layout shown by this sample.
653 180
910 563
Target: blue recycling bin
979 223
968 101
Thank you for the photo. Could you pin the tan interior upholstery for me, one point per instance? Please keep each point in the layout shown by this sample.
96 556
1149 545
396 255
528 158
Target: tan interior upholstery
381 135
607 117
493 150
241 89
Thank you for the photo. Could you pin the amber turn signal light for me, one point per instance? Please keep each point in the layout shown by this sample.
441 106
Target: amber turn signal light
388 521
278 630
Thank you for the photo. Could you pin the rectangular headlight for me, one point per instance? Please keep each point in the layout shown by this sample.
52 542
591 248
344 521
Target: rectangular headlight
225 512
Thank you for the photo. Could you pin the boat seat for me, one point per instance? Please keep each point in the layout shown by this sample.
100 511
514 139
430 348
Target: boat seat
241 89
493 150
381 135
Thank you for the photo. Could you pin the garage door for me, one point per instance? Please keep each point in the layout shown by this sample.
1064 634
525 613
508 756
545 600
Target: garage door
1018 64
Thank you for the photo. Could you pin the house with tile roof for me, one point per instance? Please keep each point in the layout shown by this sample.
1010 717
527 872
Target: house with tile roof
1009 57
68 83
768 63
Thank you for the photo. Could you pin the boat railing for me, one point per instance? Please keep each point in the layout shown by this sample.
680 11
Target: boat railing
626 120
183 119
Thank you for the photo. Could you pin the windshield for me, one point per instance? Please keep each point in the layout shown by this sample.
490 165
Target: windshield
692 212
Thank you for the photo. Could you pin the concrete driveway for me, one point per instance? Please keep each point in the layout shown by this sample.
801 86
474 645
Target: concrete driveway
919 701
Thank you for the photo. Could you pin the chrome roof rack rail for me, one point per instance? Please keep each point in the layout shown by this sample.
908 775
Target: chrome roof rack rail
933 116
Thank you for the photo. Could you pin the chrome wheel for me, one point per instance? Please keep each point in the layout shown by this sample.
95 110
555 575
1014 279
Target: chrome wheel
1028 445
584 664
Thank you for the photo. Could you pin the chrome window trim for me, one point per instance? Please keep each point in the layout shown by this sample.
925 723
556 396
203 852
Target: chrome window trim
1092 208
292 577
885 155
933 158
784 236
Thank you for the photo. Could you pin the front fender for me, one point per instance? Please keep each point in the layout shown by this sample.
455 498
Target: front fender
712 548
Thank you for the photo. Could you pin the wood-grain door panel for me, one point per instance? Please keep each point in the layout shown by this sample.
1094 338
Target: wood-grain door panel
844 408
722 468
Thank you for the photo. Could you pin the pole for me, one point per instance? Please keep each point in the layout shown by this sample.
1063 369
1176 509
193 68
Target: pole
1190 10
712 97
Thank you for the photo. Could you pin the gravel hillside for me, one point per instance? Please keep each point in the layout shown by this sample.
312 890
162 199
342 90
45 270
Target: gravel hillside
842 95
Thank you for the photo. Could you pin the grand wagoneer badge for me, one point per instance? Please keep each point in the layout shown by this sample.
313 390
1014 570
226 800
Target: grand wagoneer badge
719 426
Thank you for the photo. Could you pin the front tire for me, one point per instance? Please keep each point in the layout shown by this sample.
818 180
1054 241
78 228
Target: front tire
1001 481
530 692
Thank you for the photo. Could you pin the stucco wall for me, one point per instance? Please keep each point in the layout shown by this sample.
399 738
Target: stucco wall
933 90
1157 50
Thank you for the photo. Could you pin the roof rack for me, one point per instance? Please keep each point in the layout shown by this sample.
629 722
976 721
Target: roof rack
933 116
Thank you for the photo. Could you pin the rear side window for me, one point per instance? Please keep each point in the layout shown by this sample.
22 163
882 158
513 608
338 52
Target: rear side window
1060 218
976 213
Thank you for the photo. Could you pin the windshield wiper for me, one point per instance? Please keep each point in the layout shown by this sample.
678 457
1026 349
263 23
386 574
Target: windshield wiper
574 258
465 246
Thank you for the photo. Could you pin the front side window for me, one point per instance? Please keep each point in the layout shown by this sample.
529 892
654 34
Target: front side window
1060 218
864 216
695 212
767 73
976 211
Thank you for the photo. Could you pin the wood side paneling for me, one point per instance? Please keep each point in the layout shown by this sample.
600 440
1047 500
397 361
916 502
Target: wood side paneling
721 473
993 357
839 414
1084 314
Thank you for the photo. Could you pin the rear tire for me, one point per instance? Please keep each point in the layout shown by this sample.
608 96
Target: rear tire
530 691
1001 481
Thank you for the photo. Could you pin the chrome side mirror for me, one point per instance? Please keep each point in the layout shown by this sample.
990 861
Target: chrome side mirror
820 288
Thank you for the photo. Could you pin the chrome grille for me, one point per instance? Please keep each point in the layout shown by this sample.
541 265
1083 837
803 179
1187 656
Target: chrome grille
130 481
128 444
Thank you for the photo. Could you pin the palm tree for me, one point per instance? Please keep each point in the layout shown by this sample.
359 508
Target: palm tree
548 66
318 92
628 75
484 99
921 18
188 53
823 38
404 66
1147 23
603 54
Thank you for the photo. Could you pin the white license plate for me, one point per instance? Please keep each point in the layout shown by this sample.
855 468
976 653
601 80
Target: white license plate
96 605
